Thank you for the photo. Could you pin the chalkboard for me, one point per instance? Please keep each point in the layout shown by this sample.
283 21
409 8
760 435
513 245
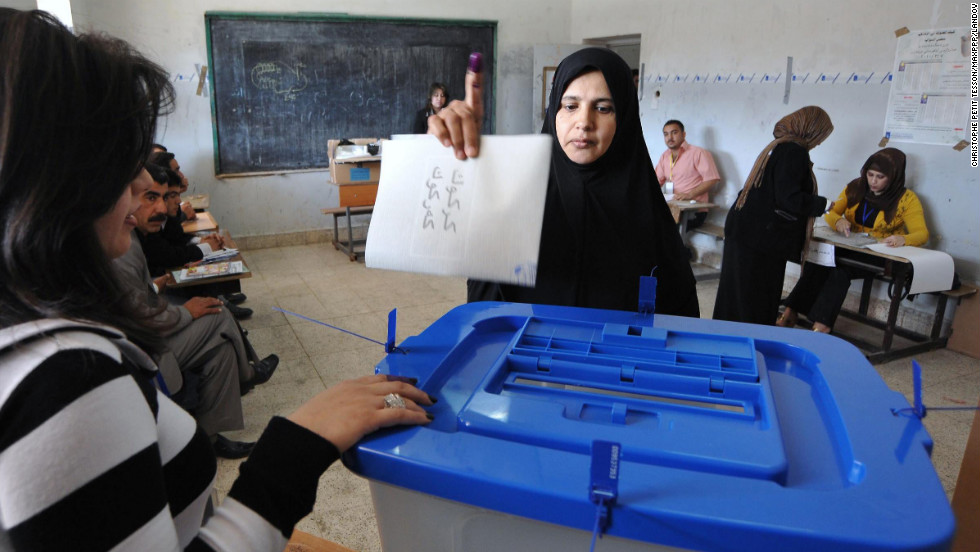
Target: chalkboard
282 85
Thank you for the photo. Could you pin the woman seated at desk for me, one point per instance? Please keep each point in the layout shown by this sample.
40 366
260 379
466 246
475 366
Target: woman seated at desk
438 96
606 223
876 203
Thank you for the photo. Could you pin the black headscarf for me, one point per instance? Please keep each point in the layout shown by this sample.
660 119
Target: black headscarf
606 223
891 163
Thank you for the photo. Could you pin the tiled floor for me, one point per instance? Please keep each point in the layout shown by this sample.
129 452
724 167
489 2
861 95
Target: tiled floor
321 283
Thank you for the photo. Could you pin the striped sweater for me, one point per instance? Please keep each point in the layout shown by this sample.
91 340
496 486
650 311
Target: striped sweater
93 457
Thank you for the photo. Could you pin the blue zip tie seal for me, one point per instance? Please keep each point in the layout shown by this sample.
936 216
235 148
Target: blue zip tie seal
604 483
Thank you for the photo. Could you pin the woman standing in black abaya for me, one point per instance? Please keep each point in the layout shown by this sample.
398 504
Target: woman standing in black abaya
606 223
771 220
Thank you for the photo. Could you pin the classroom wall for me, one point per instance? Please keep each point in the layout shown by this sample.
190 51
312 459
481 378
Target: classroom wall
172 33
708 38
19 4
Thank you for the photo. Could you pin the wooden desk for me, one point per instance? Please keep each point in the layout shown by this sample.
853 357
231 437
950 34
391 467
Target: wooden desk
347 247
230 244
200 202
682 211
203 223
897 271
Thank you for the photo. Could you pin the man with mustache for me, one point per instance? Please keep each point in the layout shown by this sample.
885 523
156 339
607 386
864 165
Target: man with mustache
206 365
161 252
170 246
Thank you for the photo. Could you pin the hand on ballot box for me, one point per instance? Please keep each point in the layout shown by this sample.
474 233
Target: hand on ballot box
458 125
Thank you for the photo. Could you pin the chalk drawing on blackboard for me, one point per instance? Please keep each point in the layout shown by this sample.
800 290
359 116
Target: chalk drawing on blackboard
316 77
282 79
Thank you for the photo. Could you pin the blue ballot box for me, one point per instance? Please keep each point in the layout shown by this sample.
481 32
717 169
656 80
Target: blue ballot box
730 437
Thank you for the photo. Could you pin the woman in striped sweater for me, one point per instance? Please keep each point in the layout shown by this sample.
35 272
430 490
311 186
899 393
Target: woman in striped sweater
92 455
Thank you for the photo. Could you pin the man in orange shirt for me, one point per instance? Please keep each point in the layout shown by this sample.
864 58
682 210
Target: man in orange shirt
686 172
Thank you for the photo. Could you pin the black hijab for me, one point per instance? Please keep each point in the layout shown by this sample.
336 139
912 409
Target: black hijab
605 223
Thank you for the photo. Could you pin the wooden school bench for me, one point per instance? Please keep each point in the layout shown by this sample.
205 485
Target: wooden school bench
230 281
200 202
353 248
709 229
203 223
897 273
682 212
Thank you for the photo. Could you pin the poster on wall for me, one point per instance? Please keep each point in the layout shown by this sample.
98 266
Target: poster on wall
929 101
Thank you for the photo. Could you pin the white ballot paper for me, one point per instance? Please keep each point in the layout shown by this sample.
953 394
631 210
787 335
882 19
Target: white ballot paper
480 218
931 270
821 253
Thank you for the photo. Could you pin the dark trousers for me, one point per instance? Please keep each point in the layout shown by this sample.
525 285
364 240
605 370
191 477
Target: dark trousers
751 285
820 292
696 221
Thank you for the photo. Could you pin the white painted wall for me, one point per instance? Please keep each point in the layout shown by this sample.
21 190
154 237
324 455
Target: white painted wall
172 33
735 121
698 36
19 4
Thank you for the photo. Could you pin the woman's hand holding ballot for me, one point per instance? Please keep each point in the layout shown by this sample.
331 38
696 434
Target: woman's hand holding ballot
458 125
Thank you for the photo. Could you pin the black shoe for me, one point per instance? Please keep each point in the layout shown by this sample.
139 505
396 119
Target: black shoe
233 298
263 372
239 313
264 369
226 448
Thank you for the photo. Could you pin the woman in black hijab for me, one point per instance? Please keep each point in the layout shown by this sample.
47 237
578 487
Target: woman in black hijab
606 223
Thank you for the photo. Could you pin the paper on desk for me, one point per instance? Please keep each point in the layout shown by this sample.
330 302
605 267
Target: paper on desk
821 253
931 270
856 239
480 218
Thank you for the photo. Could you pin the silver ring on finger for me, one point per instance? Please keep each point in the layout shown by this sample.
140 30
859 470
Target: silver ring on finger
394 400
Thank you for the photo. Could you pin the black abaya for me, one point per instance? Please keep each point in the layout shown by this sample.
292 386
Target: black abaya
606 224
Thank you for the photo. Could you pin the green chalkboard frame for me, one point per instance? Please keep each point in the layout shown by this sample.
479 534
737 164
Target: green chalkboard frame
325 17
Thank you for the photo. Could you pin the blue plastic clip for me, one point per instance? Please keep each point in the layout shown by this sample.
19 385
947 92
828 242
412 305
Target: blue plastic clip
648 293
392 325
389 346
919 409
604 483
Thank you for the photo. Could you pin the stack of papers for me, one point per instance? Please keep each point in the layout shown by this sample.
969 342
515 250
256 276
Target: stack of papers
220 255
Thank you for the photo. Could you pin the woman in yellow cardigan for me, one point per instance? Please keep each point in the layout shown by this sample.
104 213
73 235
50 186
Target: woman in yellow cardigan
876 203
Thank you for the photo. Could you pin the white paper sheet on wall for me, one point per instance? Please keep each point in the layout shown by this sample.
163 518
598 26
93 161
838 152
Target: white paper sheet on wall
480 218
931 270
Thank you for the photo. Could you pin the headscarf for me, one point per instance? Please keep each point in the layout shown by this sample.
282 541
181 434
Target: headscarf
807 127
890 162
607 223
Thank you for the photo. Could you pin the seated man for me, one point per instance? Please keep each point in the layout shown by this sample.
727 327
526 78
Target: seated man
172 247
686 171
167 160
207 354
